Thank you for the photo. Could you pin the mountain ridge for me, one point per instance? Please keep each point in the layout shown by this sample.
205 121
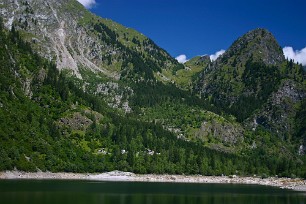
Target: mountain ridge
76 38
135 109
251 68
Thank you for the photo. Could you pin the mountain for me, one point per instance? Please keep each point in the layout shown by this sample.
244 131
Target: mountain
253 81
244 77
100 52
48 123
64 31
80 93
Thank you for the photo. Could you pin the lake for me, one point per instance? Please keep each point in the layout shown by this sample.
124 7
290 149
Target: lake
65 192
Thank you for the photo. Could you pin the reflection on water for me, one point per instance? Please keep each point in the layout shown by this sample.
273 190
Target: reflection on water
65 192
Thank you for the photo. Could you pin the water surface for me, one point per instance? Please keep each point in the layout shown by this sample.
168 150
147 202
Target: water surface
66 192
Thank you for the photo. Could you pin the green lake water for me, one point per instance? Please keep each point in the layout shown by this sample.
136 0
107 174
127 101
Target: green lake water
74 192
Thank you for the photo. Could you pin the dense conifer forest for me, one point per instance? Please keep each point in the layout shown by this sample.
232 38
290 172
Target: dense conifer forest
34 134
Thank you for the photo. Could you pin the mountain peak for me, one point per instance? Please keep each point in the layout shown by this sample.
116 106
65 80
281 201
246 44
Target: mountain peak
248 71
258 44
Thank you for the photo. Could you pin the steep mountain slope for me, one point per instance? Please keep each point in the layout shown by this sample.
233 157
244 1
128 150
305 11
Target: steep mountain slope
253 81
99 96
118 64
108 57
280 112
66 32
244 77
50 124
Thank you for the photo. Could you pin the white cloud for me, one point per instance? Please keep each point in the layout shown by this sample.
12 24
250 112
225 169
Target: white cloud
181 59
216 55
88 3
297 55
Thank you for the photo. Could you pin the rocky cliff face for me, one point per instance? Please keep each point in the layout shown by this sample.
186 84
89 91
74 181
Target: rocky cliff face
54 32
64 31
279 113
224 132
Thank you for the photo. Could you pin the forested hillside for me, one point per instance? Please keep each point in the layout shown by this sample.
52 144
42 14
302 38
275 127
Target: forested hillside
80 93
48 123
254 82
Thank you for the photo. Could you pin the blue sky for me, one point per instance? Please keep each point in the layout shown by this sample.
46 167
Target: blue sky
198 27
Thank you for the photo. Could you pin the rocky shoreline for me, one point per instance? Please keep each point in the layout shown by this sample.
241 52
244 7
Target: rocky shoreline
285 183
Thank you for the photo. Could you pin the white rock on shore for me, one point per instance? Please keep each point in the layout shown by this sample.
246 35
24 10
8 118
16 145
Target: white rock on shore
286 183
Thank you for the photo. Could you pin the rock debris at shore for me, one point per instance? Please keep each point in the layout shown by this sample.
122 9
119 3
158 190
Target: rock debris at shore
285 183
